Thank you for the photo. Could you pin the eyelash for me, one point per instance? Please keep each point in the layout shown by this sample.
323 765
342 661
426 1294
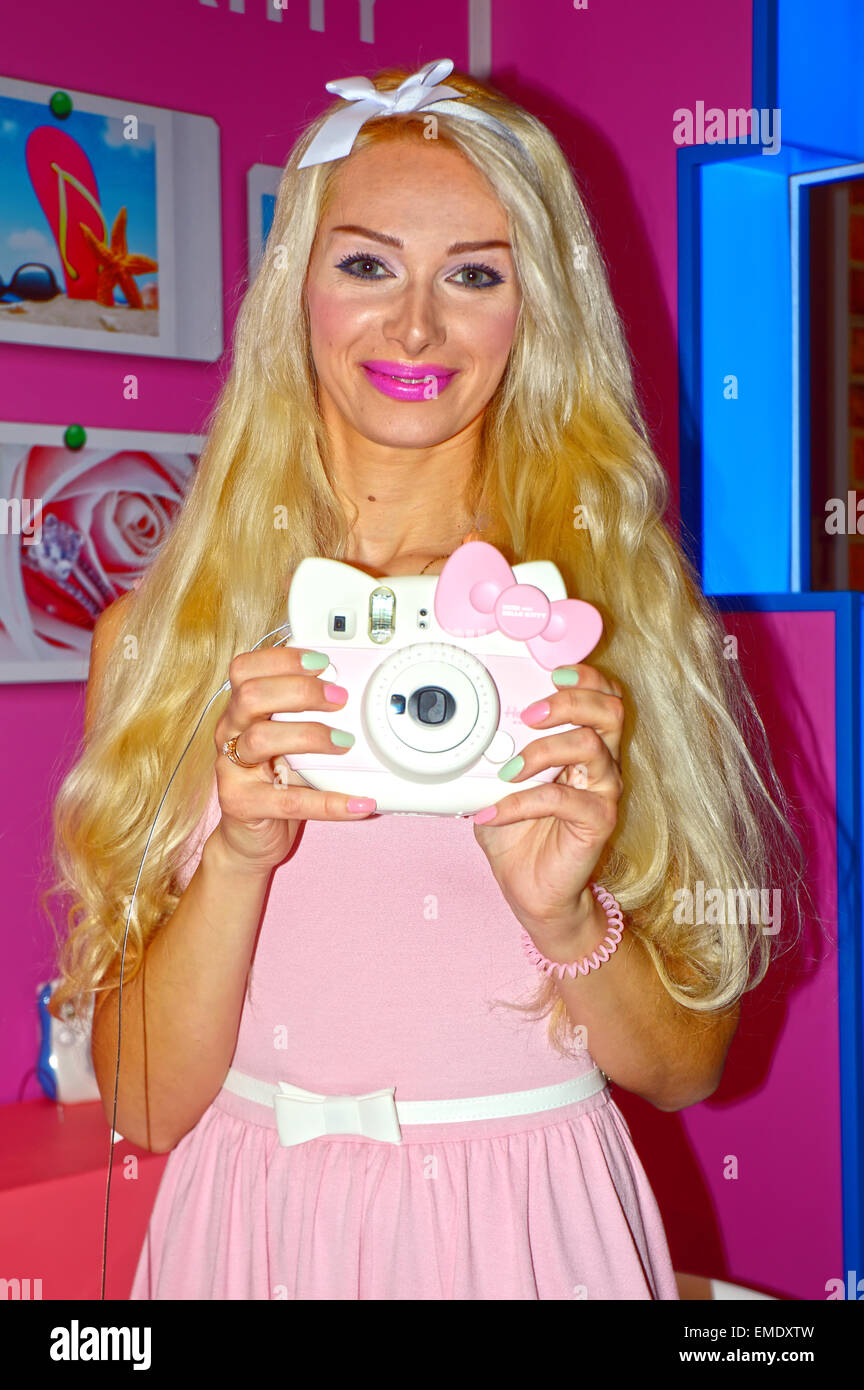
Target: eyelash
497 277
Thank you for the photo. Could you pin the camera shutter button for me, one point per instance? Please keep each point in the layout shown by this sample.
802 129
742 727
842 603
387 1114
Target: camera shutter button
501 749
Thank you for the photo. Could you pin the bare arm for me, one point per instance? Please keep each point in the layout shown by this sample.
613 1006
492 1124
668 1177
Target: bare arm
180 1016
178 1041
177 1045
641 1037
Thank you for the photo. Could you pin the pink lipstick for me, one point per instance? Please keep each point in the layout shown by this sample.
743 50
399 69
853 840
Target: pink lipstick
409 381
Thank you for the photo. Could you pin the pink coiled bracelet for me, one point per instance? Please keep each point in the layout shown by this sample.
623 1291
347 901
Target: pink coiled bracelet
609 943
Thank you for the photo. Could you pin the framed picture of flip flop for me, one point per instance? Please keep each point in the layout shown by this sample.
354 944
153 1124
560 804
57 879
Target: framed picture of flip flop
262 185
78 528
110 232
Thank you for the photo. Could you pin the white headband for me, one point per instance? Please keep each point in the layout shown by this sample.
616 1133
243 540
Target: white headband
419 92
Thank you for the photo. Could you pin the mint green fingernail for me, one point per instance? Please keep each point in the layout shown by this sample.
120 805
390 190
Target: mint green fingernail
314 661
340 738
512 769
564 675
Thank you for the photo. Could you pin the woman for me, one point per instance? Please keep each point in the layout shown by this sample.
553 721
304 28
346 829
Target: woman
384 956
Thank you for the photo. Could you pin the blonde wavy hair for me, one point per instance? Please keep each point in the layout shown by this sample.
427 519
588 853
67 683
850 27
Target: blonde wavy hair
562 431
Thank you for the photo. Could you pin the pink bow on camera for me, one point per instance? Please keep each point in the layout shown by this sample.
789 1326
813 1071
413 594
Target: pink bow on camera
477 593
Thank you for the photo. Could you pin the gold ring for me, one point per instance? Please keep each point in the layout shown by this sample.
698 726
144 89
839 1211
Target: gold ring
229 748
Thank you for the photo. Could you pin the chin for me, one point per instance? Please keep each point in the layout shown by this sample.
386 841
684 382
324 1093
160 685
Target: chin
419 435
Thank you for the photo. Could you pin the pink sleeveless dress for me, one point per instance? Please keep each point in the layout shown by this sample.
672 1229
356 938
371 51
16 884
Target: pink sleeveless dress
384 946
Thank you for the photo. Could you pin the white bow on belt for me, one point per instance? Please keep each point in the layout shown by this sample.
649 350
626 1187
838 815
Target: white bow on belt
302 1115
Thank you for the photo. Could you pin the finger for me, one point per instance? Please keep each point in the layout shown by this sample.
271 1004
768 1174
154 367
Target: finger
587 678
587 811
584 748
590 707
260 696
276 661
254 799
268 739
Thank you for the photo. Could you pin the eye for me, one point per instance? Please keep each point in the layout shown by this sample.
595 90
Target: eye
365 262
357 258
495 278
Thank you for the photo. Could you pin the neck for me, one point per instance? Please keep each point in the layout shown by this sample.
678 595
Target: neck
410 501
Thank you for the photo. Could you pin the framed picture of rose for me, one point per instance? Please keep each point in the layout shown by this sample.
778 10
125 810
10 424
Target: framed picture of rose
78 527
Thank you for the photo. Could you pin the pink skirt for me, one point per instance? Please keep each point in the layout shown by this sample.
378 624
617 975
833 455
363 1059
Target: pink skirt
552 1206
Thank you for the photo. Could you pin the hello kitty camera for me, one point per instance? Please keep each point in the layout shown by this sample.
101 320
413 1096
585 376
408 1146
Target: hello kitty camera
438 669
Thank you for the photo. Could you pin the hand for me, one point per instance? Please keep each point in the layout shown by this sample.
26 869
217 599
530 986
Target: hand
543 842
260 817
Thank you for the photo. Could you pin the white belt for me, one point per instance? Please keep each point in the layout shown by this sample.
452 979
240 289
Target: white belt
303 1115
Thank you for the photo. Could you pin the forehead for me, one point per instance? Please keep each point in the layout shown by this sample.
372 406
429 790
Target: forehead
413 181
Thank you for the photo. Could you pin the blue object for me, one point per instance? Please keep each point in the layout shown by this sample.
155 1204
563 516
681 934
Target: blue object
744 503
743 304
45 1072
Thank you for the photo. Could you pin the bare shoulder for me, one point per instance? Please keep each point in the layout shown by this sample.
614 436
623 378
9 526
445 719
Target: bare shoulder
109 620
105 635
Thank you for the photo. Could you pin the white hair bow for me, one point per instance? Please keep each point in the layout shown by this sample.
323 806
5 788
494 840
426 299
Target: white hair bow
419 92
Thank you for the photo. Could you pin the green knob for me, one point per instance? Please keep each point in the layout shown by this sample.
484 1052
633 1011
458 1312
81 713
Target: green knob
75 437
61 105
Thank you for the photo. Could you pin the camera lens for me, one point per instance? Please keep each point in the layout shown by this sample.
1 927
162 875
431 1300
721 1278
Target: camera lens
431 705
339 623
429 712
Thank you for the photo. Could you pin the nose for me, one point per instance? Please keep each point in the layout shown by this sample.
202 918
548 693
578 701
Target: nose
415 319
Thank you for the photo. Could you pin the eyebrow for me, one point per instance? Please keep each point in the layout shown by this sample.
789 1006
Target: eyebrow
456 249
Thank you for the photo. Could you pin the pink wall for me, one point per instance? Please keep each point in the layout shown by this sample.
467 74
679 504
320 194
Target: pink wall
606 80
260 81
777 1225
